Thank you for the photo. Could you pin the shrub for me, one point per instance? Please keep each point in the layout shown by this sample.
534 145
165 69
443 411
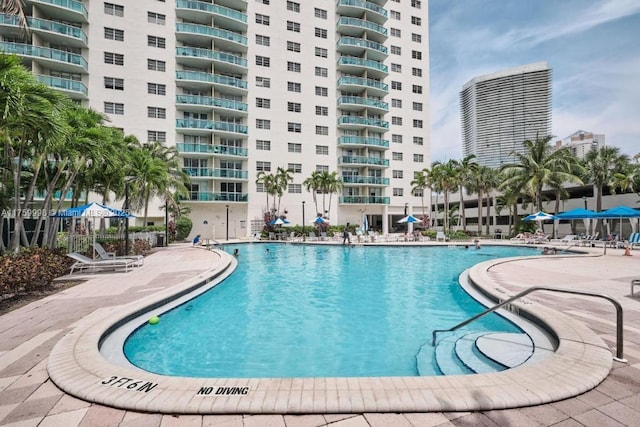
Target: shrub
183 227
31 269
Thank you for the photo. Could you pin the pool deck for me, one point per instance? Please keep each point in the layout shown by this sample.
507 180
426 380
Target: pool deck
28 397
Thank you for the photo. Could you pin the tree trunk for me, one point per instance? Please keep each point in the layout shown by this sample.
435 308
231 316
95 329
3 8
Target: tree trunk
488 212
480 200
463 217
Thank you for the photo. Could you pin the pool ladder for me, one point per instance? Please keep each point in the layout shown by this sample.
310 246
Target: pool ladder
619 315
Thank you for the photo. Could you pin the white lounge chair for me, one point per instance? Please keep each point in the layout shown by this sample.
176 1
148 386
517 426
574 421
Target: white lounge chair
569 238
634 239
84 263
441 237
138 260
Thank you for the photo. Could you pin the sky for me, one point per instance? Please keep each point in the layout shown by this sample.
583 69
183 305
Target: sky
592 47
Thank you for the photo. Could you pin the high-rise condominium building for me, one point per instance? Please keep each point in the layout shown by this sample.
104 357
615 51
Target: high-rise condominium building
500 111
242 87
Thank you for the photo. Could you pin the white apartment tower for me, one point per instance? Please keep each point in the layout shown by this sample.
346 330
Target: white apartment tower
500 111
244 86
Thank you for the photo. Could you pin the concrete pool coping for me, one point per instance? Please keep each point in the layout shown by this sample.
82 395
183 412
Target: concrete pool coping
580 363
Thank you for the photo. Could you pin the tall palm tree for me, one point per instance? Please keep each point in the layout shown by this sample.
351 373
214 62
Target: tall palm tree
269 184
313 184
283 178
446 177
464 170
333 184
601 166
418 185
482 180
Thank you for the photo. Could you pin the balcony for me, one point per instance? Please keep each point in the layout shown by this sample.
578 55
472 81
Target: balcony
64 10
229 174
212 149
357 27
56 32
223 62
359 123
354 65
73 88
359 103
364 200
224 83
363 161
225 40
364 180
206 103
358 7
353 46
362 141
208 126
53 58
200 11
356 84
204 196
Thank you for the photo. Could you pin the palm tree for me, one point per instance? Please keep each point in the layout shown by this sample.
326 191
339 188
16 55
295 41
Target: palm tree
332 183
269 184
418 185
465 169
15 7
482 181
283 177
446 178
313 184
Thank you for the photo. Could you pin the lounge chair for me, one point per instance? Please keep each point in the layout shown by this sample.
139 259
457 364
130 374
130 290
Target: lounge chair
440 237
634 239
312 236
83 263
138 260
569 238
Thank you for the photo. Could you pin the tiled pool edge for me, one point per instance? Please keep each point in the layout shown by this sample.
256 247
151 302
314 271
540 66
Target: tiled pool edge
581 362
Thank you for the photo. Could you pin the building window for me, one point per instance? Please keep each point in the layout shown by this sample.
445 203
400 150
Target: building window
159 42
396 50
322 111
398 174
295 167
293 66
396 121
321 33
113 9
263 40
416 38
293 6
156 136
320 13
113 108
156 65
418 192
263 124
294 127
416 72
399 192
294 87
417 106
322 130
416 3
295 188
322 150
263 61
293 26
396 68
263 103
294 107
322 91
397 139
156 18
113 83
263 1
418 158
394 15
396 156
321 72
260 187
321 52
396 103
417 123
263 81
322 168
113 34
263 144
156 113
418 140
156 89
396 85
416 21
417 89
415 54
293 46
262 19
294 147
396 32
113 58
263 166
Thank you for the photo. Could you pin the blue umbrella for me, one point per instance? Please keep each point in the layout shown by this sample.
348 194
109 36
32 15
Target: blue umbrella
410 219
278 221
320 220
619 212
577 213
539 216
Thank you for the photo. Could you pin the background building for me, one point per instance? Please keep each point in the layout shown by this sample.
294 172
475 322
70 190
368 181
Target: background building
242 87
581 142
499 111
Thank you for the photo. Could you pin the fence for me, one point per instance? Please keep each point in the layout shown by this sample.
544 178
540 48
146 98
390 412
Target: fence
83 242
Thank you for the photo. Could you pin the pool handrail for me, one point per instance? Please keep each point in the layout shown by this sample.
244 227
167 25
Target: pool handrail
619 314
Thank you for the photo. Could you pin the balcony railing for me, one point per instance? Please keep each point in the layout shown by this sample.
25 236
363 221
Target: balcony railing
44 53
362 160
206 30
367 102
45 25
365 180
63 84
205 196
374 200
212 149
361 81
363 140
211 78
194 52
360 62
363 121
73 5
212 8
211 125
364 5
366 44
211 102
355 22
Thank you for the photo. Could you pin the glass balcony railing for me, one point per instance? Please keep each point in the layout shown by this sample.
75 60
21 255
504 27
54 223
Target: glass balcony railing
365 180
364 5
204 196
194 52
73 5
44 53
361 81
366 44
362 140
362 160
360 62
367 102
211 78
45 25
370 200
211 125
63 84
363 121
211 102
212 149
206 30
368 25
212 8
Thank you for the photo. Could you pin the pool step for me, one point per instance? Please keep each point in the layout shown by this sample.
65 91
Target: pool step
468 353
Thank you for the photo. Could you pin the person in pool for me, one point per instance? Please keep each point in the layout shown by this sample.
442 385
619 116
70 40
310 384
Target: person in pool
197 241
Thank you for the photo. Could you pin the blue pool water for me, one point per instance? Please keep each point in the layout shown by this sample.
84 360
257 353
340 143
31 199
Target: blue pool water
316 311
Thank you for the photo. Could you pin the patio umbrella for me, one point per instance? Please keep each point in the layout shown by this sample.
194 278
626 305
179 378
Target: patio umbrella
410 219
619 212
579 213
278 221
540 217
365 223
320 220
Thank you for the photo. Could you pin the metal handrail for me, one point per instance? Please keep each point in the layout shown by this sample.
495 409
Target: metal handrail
619 315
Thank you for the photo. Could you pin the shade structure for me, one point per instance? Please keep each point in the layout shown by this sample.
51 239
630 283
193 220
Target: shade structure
278 221
320 220
365 222
619 212
577 213
539 216
410 219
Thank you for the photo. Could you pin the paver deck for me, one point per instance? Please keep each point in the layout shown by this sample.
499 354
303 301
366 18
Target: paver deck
29 398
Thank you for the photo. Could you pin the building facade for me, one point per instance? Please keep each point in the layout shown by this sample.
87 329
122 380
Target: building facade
243 87
500 111
581 142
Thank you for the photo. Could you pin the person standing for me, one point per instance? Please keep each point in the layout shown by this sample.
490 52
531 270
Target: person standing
345 235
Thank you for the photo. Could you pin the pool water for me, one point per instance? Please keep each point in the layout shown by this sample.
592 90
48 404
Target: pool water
317 311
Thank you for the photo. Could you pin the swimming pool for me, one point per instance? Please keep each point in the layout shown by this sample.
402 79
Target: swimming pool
317 310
